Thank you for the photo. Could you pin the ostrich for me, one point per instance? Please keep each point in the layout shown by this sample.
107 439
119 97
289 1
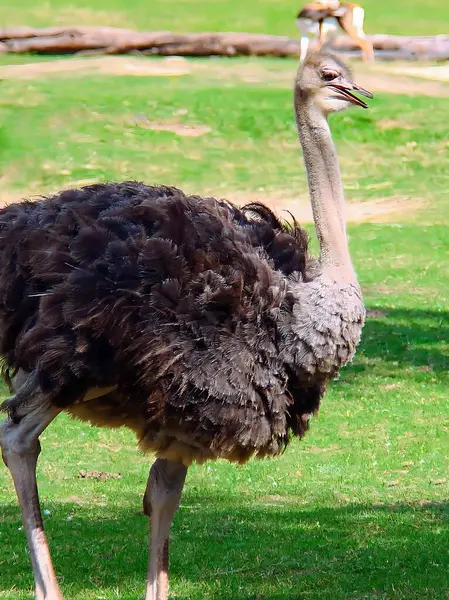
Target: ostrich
206 329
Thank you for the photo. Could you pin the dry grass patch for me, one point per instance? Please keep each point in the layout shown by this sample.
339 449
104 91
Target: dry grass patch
380 210
103 65
181 129
392 209
277 500
404 288
436 73
381 78
374 313
393 124
377 78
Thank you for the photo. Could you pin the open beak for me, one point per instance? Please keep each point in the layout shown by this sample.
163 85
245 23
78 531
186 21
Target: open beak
346 89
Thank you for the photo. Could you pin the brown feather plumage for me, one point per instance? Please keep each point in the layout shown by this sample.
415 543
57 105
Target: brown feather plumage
168 297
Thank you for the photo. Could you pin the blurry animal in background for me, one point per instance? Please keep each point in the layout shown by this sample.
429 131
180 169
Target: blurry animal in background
322 20
208 330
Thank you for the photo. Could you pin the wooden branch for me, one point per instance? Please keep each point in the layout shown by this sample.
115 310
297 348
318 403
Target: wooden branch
111 40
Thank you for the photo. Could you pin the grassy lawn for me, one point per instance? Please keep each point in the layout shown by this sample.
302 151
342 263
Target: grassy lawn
78 129
357 510
267 16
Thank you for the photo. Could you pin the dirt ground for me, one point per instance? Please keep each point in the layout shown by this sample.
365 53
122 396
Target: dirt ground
102 65
381 210
437 73
400 79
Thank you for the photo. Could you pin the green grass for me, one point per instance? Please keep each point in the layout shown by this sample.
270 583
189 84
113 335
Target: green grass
411 17
357 510
78 129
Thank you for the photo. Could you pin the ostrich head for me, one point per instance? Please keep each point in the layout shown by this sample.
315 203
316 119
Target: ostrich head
328 82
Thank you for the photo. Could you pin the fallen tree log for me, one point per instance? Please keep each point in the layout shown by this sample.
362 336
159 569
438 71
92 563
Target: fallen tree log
111 40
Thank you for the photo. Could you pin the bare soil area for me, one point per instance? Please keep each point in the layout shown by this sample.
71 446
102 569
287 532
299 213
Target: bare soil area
382 78
383 210
102 65
437 73
402 79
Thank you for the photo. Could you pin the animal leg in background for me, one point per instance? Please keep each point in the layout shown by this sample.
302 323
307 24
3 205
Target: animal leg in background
304 47
322 30
320 34
352 24
19 440
328 30
304 26
160 503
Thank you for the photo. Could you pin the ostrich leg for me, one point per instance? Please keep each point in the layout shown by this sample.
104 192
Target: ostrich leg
160 502
19 440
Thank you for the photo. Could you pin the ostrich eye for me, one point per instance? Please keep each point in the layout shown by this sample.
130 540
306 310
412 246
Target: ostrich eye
329 75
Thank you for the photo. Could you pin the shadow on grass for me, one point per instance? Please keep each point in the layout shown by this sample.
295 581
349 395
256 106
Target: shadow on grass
408 337
222 549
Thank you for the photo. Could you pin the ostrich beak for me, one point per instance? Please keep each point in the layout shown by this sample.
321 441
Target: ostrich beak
345 89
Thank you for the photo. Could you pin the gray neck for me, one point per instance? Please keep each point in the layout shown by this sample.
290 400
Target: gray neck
325 187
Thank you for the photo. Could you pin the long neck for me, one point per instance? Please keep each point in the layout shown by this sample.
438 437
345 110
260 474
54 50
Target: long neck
325 187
